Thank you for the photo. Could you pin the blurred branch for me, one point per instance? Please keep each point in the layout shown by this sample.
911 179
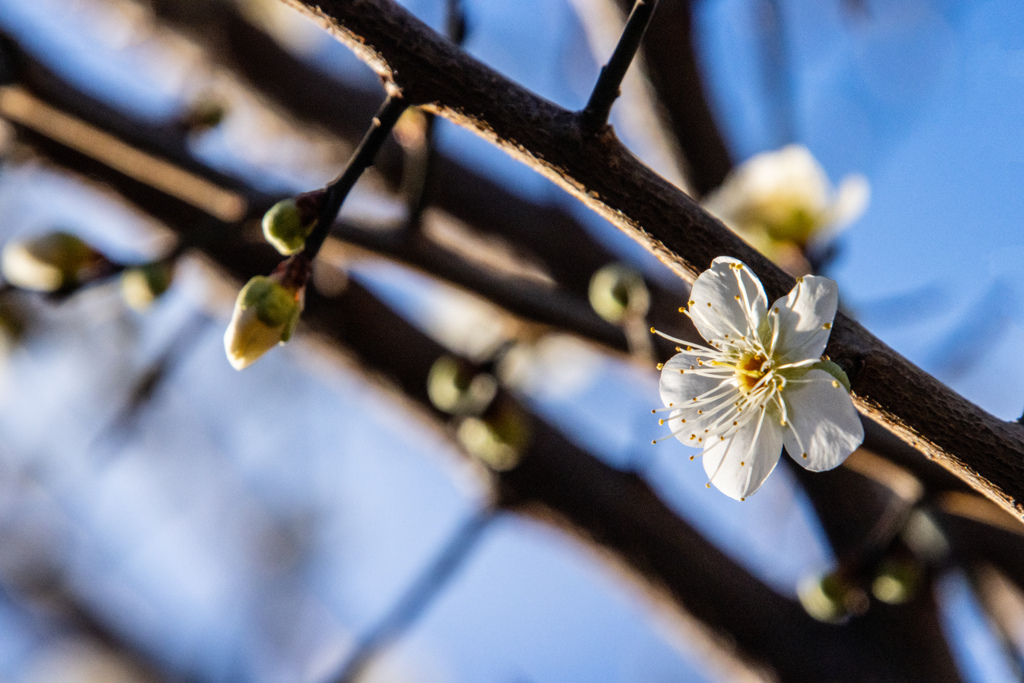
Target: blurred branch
981 449
176 351
434 579
44 598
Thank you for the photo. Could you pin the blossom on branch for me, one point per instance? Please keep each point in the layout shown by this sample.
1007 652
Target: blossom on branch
760 382
782 201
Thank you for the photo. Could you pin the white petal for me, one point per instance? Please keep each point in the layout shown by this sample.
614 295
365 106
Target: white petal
739 465
822 422
805 319
678 388
851 200
714 308
790 174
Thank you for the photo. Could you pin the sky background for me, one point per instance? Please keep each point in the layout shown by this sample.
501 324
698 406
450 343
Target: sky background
208 527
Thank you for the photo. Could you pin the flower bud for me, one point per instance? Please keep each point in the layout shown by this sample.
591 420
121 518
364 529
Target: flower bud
617 291
784 198
142 285
205 113
454 387
831 598
50 262
265 315
897 581
499 438
287 224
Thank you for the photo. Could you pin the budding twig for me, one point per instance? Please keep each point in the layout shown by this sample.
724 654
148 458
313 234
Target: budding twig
606 90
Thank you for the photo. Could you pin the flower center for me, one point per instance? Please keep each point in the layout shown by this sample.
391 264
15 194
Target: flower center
750 368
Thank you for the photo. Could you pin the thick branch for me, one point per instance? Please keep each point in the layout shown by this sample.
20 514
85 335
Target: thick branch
979 448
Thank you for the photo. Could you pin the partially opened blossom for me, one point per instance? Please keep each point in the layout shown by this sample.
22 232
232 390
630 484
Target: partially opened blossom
266 313
759 383
783 199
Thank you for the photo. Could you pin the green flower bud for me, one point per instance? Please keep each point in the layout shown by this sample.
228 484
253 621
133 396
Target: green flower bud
266 314
287 225
142 285
617 291
50 262
455 388
897 581
831 598
498 439
205 113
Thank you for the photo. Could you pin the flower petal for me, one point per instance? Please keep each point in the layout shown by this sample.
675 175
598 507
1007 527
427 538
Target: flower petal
738 465
805 319
823 423
678 389
851 199
720 298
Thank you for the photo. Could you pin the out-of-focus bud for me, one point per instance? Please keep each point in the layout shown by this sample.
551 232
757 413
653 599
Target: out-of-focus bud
266 313
287 224
617 291
831 598
51 262
499 439
142 285
782 200
48 262
205 113
897 581
455 388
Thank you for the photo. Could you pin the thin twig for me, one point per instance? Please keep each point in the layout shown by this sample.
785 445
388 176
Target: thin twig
606 90
361 160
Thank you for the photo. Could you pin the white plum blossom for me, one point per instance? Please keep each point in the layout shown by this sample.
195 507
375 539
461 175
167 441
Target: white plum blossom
784 197
760 382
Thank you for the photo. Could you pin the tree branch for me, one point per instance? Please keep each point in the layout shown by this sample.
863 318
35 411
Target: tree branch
409 56
606 90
